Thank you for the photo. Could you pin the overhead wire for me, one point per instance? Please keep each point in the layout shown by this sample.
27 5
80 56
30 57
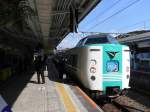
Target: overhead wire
107 9
116 13
125 27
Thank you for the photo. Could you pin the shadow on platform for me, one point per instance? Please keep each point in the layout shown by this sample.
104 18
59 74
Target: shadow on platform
12 88
33 82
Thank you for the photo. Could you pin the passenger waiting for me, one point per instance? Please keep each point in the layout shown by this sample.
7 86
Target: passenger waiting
39 64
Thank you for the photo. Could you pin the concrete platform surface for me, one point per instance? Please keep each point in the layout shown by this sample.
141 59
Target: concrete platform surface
53 96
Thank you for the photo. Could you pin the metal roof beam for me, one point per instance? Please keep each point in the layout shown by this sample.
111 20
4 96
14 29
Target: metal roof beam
62 29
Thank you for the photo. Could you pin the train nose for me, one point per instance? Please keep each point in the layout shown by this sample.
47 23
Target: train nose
111 54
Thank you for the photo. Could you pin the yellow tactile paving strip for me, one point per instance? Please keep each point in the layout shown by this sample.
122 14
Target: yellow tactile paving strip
93 104
66 98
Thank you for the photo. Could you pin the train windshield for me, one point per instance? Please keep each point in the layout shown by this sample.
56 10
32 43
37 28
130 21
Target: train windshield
96 40
112 40
101 40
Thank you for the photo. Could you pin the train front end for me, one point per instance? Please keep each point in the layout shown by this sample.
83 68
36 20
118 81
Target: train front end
116 69
109 68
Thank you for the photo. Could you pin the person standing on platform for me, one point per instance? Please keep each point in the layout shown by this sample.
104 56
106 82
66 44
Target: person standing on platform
39 63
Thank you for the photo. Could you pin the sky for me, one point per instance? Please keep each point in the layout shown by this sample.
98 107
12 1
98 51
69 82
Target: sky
112 16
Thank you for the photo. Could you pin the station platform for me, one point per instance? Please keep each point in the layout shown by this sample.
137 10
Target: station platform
24 94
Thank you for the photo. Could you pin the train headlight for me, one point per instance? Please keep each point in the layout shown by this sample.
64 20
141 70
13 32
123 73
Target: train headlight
92 69
127 69
128 76
93 78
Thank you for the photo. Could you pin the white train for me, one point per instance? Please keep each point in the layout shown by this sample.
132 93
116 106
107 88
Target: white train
100 63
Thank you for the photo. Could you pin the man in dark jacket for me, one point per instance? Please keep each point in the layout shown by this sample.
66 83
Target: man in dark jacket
39 67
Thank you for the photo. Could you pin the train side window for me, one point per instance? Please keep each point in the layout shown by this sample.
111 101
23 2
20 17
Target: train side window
69 60
74 60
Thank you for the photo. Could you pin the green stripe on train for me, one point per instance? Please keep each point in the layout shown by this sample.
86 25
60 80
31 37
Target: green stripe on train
118 57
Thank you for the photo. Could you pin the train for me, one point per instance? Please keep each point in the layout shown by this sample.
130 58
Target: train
100 63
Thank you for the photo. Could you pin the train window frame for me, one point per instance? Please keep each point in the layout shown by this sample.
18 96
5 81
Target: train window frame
81 42
112 39
96 38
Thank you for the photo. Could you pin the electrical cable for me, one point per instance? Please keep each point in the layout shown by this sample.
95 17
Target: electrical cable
116 13
107 9
125 27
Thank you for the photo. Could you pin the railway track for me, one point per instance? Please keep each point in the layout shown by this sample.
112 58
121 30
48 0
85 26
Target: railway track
124 104
113 107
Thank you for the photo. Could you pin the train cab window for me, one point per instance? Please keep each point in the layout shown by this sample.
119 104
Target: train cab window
112 40
96 40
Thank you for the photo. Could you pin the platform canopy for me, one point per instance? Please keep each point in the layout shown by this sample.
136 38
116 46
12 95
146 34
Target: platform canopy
25 23
59 17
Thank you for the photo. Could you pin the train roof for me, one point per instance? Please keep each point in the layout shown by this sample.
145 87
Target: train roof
98 35
105 38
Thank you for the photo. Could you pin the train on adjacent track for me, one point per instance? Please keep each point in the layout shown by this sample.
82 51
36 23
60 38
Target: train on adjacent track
100 63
